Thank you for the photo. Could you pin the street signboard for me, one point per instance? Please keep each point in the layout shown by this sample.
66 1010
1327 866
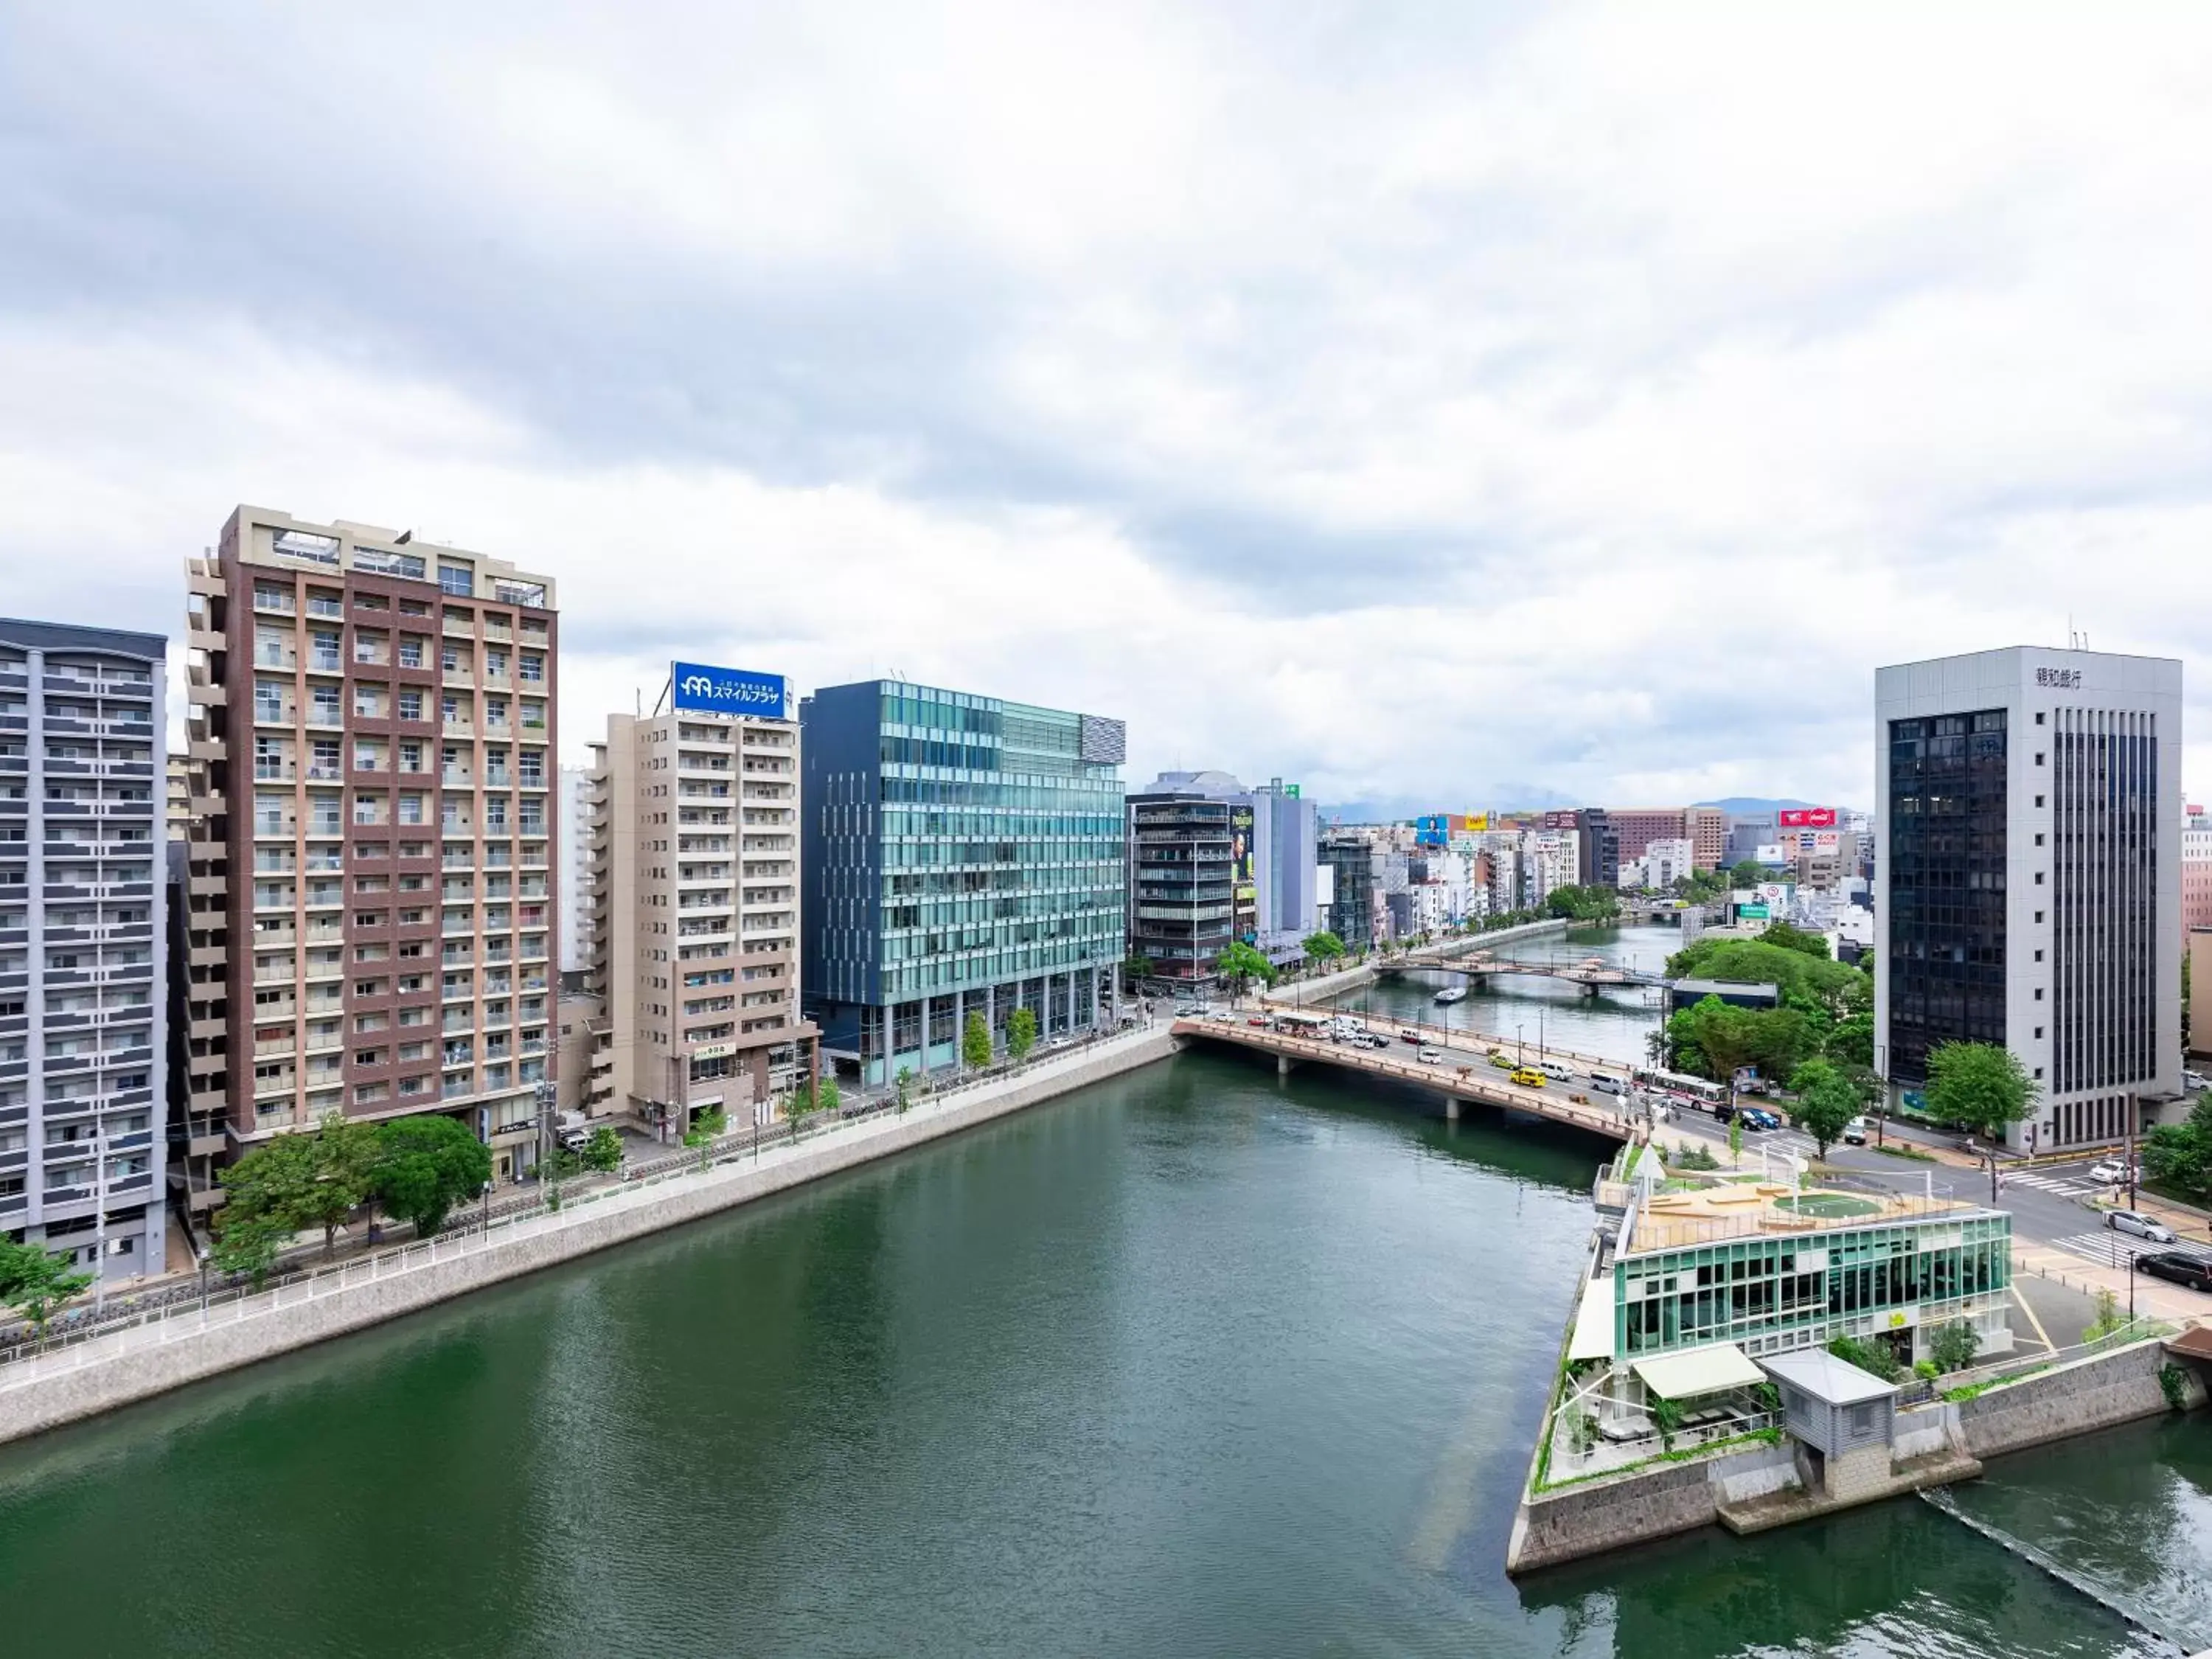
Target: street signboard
1807 818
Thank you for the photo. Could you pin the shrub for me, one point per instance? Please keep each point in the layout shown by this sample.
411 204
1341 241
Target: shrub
1872 1356
2170 1383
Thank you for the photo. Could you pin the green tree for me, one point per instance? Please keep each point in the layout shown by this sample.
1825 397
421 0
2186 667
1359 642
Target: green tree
249 1242
1240 962
804 1099
1747 873
828 1098
976 1042
1954 1345
35 1281
1980 1085
1667 1418
2179 1156
1873 1357
604 1151
1826 1101
1021 1033
1735 1139
1136 965
427 1165
1323 947
1851 1041
1783 934
903 1084
707 1128
1578 903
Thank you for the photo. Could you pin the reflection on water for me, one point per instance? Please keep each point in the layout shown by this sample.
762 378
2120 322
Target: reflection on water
1201 1361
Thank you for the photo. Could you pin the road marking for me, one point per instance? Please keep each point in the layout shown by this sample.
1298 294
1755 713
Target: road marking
2042 1335
2100 1248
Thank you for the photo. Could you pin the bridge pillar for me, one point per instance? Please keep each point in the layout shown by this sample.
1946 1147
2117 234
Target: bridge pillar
1451 1109
1283 1064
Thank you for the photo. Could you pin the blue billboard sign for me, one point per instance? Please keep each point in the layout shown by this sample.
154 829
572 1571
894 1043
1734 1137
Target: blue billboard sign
705 690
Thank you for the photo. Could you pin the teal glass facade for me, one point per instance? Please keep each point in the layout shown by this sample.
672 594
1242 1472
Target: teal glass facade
962 854
1766 1292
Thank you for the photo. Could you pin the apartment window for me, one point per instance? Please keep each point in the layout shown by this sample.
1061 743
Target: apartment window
411 705
411 756
449 657
456 579
533 668
410 650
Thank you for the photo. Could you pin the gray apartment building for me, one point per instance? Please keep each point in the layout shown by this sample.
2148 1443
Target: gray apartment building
84 1014
958 854
2029 886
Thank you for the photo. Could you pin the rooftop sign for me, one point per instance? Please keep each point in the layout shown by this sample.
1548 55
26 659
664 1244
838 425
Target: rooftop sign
702 689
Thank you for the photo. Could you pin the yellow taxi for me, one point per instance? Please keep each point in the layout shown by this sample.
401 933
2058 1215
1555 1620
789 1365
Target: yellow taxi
1528 1077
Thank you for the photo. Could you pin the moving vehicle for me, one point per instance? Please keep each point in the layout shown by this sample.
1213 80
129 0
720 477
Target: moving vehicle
2142 1226
1407 1033
1430 1056
1607 1085
1757 1117
1700 1089
1257 1020
1315 1026
1553 1070
1528 1077
1855 1132
2192 1271
1501 1061
2110 1173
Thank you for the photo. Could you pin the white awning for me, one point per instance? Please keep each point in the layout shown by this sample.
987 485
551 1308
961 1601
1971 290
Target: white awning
1593 1337
1699 1370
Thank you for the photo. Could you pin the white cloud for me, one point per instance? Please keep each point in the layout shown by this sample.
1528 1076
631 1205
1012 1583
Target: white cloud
1584 399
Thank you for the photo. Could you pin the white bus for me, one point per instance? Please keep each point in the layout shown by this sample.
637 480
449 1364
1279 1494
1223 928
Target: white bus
1702 1089
1314 1026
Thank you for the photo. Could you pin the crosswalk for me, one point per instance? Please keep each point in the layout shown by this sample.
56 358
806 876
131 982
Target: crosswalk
2066 1186
2108 1246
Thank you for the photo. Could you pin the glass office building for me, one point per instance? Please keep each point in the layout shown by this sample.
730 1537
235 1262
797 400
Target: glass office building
960 854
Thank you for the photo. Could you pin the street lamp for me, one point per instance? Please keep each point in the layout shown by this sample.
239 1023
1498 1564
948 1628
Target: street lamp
1520 1048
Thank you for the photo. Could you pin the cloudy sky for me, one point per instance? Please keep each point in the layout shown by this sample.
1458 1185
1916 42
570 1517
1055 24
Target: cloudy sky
1439 405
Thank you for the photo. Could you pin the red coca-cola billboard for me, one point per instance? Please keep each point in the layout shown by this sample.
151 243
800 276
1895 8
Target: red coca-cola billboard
1808 817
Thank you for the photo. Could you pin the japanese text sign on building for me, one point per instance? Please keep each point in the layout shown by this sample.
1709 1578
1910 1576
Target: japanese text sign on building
2068 679
707 690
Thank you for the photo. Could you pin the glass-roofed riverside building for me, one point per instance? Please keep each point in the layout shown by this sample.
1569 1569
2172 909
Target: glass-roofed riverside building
961 853
1699 1283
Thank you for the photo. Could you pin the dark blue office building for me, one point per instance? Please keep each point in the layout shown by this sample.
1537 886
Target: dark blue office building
961 854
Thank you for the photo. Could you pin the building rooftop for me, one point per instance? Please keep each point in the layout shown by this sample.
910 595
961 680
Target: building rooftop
1820 1374
1749 1208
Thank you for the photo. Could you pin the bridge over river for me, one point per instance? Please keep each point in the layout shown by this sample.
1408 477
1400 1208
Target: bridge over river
1462 1075
1594 974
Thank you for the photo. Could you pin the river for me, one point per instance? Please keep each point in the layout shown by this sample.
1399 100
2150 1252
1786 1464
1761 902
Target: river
1200 1361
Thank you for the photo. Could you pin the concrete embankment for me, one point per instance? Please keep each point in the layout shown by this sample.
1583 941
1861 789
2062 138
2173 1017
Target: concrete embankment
136 1364
1765 1485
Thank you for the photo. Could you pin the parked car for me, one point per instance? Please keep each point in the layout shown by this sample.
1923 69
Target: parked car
1430 1056
2193 1271
2196 1080
1855 1132
1607 1085
2142 1226
2110 1173
1528 1077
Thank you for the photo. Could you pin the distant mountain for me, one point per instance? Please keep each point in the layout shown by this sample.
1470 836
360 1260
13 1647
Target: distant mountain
1749 806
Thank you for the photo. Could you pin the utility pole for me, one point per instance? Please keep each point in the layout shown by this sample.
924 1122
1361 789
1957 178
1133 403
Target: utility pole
2128 1156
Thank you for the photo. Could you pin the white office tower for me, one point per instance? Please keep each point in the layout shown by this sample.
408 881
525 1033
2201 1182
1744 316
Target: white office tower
575 871
84 998
2028 886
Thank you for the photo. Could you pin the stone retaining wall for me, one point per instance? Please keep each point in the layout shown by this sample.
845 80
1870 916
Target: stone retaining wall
57 1389
2071 1399
1633 1509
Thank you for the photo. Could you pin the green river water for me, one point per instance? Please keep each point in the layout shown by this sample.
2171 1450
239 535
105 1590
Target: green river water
1196 1362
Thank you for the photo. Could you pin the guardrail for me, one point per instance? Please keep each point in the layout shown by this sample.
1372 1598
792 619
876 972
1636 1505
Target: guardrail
186 1307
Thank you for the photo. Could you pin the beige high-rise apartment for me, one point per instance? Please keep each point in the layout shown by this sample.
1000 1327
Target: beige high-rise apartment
694 882
371 926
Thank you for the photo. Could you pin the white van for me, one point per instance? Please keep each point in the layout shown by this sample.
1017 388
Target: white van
1607 1085
1557 1073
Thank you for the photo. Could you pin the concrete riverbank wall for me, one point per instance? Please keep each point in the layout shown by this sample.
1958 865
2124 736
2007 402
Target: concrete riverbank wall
68 1385
1611 1513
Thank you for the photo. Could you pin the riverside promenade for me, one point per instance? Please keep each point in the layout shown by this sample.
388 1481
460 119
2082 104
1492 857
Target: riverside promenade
185 1343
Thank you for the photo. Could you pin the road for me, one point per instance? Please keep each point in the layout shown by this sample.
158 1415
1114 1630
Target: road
2050 1202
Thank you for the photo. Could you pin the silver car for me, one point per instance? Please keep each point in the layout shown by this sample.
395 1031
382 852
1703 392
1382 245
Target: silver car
2131 1221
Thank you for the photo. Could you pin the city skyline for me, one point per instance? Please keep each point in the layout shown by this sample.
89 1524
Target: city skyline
1511 382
